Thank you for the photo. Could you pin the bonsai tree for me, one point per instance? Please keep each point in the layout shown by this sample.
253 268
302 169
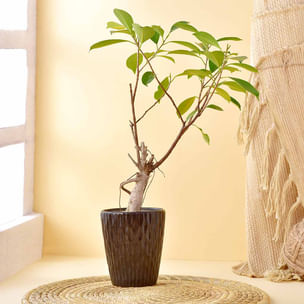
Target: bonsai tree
215 64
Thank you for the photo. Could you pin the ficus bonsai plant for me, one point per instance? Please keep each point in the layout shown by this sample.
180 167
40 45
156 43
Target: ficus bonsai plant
215 64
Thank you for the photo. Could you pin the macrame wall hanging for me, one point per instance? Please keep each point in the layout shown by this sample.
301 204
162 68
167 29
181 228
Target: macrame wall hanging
272 129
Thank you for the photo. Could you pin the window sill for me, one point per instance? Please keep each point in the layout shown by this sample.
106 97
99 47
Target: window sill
20 243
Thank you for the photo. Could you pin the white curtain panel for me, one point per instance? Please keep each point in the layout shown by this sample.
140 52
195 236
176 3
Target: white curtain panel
272 129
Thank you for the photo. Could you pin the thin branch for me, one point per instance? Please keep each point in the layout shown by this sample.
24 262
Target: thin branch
134 126
162 87
200 94
133 96
206 102
137 72
220 72
193 118
202 84
178 137
156 52
150 108
133 161
207 98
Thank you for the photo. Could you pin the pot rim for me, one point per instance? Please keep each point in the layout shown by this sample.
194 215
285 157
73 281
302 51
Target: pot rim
123 210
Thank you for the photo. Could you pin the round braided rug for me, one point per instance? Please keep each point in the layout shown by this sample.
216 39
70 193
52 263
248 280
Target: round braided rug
169 289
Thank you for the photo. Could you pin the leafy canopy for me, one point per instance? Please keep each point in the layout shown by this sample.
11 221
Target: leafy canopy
214 64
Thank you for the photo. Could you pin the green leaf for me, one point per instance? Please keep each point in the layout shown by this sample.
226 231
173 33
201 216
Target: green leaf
239 58
212 57
223 93
229 39
148 33
216 59
205 135
206 39
213 67
125 18
234 86
246 67
234 101
115 25
143 33
247 86
185 105
231 69
167 57
183 52
149 54
132 62
219 55
160 92
206 138
215 107
192 72
158 30
120 32
138 31
184 25
155 37
191 115
104 43
187 44
203 47
147 78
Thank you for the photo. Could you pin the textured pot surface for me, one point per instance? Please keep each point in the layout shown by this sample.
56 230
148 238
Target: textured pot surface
133 244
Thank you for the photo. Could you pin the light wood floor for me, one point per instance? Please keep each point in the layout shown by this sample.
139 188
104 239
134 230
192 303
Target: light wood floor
53 268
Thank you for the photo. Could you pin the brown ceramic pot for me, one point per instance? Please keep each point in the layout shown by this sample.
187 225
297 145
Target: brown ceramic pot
133 243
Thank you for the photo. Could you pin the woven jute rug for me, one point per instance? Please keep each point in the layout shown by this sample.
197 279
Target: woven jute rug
169 289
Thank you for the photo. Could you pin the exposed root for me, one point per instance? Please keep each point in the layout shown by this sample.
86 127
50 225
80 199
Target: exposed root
141 178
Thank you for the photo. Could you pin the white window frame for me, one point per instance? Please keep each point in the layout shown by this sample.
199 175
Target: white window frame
21 239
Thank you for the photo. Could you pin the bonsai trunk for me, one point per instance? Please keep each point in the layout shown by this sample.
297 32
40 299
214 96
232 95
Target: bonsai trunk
137 193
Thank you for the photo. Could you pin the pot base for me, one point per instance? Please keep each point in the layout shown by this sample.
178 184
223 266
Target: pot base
133 243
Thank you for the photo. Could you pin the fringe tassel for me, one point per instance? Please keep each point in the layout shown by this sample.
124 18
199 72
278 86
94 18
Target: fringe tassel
274 196
249 117
282 274
266 155
277 200
253 125
286 188
244 121
281 208
289 217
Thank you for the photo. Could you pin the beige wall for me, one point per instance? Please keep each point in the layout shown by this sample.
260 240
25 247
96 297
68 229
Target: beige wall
82 133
